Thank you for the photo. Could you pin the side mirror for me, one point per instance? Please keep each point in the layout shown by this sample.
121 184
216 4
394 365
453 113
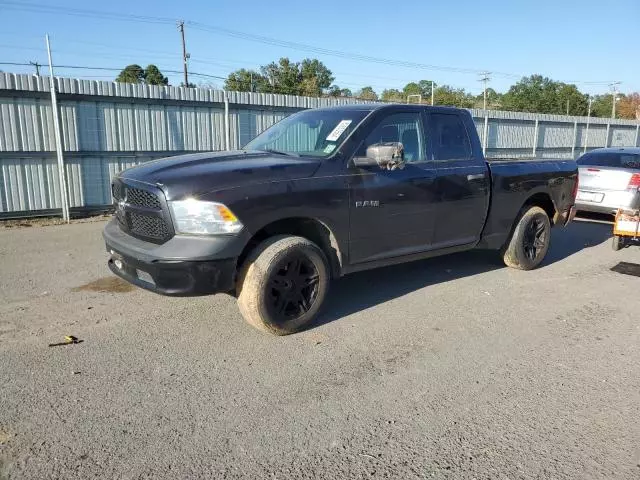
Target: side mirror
387 155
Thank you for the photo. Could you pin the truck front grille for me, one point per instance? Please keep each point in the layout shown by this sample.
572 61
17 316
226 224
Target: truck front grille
142 212
148 226
142 198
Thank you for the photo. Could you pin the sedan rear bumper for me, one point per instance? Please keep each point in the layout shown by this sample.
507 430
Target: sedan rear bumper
607 201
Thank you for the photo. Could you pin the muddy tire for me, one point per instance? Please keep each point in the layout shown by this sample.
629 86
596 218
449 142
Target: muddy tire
617 242
283 284
529 241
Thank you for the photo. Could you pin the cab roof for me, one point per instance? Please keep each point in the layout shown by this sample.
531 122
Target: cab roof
370 107
631 150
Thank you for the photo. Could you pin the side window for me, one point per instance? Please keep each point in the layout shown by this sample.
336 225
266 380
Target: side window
405 128
450 140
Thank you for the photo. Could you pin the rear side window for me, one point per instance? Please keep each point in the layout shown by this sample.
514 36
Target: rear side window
610 159
450 141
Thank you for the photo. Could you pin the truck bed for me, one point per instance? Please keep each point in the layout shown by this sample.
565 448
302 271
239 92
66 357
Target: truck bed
513 181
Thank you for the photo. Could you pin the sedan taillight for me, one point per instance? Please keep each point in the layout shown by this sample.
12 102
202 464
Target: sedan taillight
634 181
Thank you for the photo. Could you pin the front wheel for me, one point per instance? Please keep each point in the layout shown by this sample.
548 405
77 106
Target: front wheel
529 241
283 284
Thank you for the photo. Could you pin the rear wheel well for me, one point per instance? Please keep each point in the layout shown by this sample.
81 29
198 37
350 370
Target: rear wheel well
542 200
308 228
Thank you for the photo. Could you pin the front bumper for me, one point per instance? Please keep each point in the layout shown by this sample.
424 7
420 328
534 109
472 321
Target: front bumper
183 266
177 278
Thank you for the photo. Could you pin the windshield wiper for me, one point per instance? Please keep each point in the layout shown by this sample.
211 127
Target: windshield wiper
278 152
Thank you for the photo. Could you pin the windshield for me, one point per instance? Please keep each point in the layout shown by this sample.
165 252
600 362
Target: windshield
315 133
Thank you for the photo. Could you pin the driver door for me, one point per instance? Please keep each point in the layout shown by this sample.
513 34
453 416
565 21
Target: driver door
391 211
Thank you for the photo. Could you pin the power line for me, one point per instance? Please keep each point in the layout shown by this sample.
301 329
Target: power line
378 86
110 69
34 7
40 8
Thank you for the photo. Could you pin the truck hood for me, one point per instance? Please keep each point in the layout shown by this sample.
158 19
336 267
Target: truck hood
199 173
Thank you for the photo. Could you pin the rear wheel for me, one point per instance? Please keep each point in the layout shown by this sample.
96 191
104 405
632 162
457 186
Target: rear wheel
617 243
529 241
283 284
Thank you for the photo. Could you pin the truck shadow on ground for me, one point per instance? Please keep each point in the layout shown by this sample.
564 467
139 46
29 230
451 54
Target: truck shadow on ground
363 290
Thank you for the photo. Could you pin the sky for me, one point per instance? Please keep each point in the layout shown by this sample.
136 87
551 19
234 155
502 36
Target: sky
586 42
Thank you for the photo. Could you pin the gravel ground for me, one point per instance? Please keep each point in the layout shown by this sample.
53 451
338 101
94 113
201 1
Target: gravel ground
448 368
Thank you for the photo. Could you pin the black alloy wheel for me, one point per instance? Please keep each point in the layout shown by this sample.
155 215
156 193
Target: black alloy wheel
293 287
535 238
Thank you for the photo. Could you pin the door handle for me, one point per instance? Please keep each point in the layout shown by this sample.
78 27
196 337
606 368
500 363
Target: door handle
475 176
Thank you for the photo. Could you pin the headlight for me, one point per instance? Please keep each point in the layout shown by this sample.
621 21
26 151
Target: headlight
203 218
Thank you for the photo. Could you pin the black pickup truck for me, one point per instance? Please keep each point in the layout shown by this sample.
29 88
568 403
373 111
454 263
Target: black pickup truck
324 193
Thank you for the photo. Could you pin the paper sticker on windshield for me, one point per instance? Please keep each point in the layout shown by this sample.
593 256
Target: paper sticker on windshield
329 148
339 130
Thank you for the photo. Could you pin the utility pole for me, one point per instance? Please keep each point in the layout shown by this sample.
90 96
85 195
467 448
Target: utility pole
185 55
433 91
586 133
37 65
567 106
485 77
614 97
57 129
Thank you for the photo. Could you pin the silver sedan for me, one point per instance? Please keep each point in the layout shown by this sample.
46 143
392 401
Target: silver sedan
609 178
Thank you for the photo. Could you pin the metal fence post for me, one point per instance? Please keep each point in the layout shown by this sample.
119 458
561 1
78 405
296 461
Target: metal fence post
637 135
227 126
586 138
485 133
606 141
58 136
575 139
535 139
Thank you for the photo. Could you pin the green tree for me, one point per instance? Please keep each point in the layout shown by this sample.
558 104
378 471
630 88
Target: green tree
454 97
412 89
494 99
336 91
367 93
246 81
542 95
314 72
282 77
309 77
135 74
570 101
425 87
153 76
601 106
392 95
131 74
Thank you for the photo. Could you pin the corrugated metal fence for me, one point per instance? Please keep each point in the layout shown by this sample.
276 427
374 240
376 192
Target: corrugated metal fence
107 127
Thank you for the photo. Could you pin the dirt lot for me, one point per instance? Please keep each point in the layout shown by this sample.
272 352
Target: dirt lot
448 368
